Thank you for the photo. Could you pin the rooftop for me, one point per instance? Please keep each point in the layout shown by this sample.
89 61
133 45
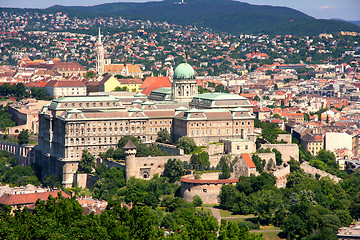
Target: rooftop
220 96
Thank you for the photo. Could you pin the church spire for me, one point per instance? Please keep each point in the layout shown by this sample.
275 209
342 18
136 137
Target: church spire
99 37
100 52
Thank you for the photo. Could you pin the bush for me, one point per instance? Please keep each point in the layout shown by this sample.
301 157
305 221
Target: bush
197 201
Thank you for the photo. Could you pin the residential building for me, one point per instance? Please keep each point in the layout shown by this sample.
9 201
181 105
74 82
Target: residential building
60 88
312 143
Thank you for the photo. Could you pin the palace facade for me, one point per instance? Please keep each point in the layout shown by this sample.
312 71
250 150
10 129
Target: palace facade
69 125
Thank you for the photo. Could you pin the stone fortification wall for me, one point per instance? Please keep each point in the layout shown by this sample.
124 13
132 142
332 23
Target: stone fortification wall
206 188
85 180
313 171
170 149
286 137
267 156
217 148
19 117
281 176
147 167
111 164
286 150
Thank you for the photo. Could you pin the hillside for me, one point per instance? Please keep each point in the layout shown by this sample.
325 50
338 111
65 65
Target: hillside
220 15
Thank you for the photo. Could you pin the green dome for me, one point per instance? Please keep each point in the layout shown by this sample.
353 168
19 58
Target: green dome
184 71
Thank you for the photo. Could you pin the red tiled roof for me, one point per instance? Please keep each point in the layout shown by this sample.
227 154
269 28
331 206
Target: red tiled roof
153 83
69 66
248 160
29 198
65 83
36 84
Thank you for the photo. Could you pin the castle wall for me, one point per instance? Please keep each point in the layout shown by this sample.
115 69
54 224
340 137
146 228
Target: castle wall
313 171
208 187
284 137
286 150
217 148
147 167
267 156
170 149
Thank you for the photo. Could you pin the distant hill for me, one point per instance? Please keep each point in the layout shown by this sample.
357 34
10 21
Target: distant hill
220 15
342 20
355 22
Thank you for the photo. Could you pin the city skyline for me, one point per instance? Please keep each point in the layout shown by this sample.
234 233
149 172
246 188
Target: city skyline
320 9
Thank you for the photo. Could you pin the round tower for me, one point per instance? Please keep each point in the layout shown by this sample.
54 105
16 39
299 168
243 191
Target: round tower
130 164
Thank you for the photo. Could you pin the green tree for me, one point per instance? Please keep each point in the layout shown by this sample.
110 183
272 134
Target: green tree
228 196
174 169
141 149
197 201
276 87
163 136
278 157
24 137
52 181
186 143
87 162
200 161
259 163
257 98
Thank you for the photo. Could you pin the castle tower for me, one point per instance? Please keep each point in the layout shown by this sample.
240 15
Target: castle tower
130 163
184 86
100 61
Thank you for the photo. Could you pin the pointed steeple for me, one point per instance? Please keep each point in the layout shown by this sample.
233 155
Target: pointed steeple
99 38
100 61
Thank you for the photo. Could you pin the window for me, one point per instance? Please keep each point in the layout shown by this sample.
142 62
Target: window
210 131
227 131
248 130
246 147
238 148
242 123
192 132
219 131
248 123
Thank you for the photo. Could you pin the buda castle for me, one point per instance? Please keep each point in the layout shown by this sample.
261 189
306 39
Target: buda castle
69 125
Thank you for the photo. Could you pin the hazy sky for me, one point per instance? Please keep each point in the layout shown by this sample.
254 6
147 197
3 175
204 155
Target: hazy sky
344 9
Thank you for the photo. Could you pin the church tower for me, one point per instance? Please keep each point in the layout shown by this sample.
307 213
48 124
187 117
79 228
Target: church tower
100 61
184 86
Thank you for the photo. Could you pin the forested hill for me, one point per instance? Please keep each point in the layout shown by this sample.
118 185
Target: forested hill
220 15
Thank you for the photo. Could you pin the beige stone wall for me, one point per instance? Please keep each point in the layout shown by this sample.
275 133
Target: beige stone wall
217 148
284 137
170 149
286 150
267 156
147 167
313 171
80 180
208 193
239 147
